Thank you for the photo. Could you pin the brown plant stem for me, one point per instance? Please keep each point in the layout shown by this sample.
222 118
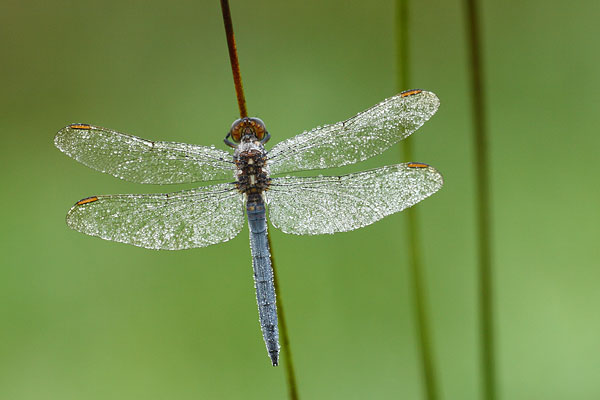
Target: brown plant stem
285 339
233 58
239 90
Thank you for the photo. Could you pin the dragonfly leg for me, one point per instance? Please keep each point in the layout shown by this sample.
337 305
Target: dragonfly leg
228 142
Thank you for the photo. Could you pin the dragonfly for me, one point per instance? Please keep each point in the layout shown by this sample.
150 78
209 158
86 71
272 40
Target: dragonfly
258 182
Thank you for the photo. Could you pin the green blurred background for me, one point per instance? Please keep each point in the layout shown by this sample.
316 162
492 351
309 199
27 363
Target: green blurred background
84 318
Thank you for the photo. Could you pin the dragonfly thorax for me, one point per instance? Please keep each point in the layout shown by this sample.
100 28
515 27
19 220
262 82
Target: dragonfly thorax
252 174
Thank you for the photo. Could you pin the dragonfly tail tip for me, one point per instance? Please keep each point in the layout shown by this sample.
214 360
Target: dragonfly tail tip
275 360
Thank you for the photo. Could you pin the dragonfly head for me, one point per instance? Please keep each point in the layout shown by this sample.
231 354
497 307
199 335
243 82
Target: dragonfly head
247 130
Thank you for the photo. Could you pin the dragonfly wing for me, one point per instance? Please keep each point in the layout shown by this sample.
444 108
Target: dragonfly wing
143 161
170 221
363 136
329 204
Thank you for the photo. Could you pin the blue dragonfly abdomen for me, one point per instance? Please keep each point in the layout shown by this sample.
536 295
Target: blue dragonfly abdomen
263 277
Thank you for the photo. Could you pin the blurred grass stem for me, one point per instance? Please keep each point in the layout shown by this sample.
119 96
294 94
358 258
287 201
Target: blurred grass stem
413 232
483 202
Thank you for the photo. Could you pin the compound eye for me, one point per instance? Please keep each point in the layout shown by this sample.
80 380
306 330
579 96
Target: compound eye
258 126
236 130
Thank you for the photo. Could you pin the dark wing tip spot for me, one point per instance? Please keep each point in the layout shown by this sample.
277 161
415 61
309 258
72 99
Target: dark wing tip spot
86 127
417 165
86 200
412 92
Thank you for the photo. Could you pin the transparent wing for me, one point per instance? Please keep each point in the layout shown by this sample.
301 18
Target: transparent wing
329 204
363 136
143 161
170 221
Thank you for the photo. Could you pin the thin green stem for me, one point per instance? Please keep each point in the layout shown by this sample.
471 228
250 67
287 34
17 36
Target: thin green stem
420 305
413 231
402 49
285 339
483 201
